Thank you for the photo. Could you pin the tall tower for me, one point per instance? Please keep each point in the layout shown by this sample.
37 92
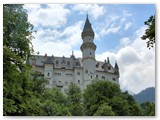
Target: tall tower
88 53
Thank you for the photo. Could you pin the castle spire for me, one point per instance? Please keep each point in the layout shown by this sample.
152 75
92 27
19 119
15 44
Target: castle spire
87 30
116 65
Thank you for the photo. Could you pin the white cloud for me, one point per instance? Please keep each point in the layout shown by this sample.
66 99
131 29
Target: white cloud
58 43
92 9
127 25
115 23
124 41
136 63
54 15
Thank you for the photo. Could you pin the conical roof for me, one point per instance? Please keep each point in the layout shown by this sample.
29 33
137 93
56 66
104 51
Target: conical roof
116 66
87 28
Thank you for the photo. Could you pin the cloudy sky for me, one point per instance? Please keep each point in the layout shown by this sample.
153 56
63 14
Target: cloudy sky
117 28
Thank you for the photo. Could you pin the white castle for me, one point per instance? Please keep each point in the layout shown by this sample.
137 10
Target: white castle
62 71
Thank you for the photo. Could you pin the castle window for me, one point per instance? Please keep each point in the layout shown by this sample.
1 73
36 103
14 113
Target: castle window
66 83
113 79
90 53
57 62
78 73
91 77
68 63
103 77
69 74
96 76
109 67
86 71
48 74
57 74
54 82
78 81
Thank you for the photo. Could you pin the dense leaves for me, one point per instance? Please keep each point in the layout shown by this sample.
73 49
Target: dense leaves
17 35
148 109
150 32
102 96
74 97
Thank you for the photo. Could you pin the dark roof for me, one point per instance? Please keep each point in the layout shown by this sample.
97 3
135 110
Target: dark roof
116 66
49 61
70 63
87 28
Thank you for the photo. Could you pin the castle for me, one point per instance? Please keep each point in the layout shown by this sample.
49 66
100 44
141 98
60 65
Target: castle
62 71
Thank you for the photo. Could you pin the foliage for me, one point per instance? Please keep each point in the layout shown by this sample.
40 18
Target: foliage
148 109
17 35
104 110
55 103
150 32
101 96
74 98
98 93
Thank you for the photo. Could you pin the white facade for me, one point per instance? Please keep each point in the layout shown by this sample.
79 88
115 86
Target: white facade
62 71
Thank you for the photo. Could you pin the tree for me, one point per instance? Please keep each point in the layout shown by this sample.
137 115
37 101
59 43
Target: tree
17 35
103 97
150 32
74 98
148 109
104 110
55 103
98 93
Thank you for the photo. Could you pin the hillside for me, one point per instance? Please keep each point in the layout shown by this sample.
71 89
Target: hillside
145 95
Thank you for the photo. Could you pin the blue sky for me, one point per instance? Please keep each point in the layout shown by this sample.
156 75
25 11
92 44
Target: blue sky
117 27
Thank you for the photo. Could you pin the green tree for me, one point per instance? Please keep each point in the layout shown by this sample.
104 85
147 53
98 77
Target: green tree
134 108
17 35
55 103
74 98
104 110
150 32
98 93
101 96
148 109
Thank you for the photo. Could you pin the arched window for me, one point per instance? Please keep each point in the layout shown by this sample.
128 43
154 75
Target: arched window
78 81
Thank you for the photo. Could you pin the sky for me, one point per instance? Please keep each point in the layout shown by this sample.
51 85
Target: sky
117 28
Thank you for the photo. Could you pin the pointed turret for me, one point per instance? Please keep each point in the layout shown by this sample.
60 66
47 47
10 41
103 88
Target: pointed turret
87 30
116 68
